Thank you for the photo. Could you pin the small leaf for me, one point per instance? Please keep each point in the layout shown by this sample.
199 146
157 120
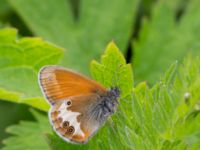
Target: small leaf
29 135
20 61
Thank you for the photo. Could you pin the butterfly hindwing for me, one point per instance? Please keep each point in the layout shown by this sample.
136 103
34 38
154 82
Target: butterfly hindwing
72 122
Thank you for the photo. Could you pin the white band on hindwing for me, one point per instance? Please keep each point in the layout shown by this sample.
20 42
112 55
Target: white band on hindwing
71 117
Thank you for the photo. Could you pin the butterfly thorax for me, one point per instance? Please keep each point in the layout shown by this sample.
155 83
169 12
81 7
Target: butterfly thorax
107 105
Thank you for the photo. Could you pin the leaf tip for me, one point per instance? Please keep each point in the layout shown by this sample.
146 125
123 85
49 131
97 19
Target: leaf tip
93 62
112 45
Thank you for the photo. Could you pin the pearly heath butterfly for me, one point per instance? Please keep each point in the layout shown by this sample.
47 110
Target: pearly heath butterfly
79 105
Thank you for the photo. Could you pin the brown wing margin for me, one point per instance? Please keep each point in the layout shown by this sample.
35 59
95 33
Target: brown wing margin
58 83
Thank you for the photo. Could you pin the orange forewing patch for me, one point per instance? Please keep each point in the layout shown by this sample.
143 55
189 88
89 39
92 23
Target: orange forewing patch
58 83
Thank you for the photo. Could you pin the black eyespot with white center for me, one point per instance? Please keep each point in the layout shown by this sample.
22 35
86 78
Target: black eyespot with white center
69 103
70 130
65 124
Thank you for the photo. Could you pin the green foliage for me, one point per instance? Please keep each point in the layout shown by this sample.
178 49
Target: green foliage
20 61
29 135
165 116
14 113
164 39
4 9
84 36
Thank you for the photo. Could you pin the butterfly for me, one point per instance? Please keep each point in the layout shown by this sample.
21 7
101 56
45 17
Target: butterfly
79 105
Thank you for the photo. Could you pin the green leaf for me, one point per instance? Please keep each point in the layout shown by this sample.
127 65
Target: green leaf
29 135
163 40
14 113
83 37
4 9
166 116
20 61
114 72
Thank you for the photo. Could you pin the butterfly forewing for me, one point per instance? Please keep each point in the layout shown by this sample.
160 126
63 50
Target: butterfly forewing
58 83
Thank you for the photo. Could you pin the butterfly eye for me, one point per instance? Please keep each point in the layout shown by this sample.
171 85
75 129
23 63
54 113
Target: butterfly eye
69 103
65 124
70 130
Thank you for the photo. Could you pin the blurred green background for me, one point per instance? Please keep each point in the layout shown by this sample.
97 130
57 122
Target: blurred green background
152 34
